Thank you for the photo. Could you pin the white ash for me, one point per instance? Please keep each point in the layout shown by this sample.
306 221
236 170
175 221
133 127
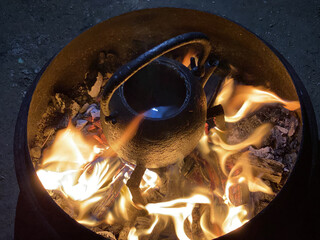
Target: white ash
74 108
81 123
95 89
95 113
93 110
266 152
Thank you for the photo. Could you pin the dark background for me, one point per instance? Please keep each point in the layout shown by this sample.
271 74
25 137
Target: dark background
32 31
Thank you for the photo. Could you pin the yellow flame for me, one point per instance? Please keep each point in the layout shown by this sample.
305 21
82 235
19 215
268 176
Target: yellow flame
62 166
83 172
149 180
238 101
178 210
234 219
226 92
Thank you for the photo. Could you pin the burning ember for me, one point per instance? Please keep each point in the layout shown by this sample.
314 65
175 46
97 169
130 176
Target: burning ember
211 192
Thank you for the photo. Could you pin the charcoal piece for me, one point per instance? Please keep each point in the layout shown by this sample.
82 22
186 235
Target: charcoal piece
101 58
48 131
266 152
90 79
96 228
114 228
108 62
239 194
64 105
289 160
144 222
266 168
282 130
292 126
107 235
123 235
239 131
68 205
35 152
174 183
63 123
279 138
155 195
260 200
74 108
60 102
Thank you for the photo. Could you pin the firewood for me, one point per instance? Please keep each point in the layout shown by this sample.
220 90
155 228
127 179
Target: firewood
134 186
157 231
197 233
144 222
123 235
268 169
100 209
239 194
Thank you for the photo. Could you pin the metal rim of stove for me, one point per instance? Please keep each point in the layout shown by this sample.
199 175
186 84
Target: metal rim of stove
65 227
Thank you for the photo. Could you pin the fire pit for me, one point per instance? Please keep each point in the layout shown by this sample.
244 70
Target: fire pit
241 54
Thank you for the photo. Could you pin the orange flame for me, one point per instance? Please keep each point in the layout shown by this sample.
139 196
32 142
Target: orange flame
129 132
186 60
83 172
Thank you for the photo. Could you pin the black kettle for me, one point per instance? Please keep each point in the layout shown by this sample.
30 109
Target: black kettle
169 95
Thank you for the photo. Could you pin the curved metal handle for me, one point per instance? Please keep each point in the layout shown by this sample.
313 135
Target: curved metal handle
128 70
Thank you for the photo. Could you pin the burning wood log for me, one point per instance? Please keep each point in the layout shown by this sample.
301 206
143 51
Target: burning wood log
145 222
134 183
100 209
239 194
197 233
123 235
268 169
